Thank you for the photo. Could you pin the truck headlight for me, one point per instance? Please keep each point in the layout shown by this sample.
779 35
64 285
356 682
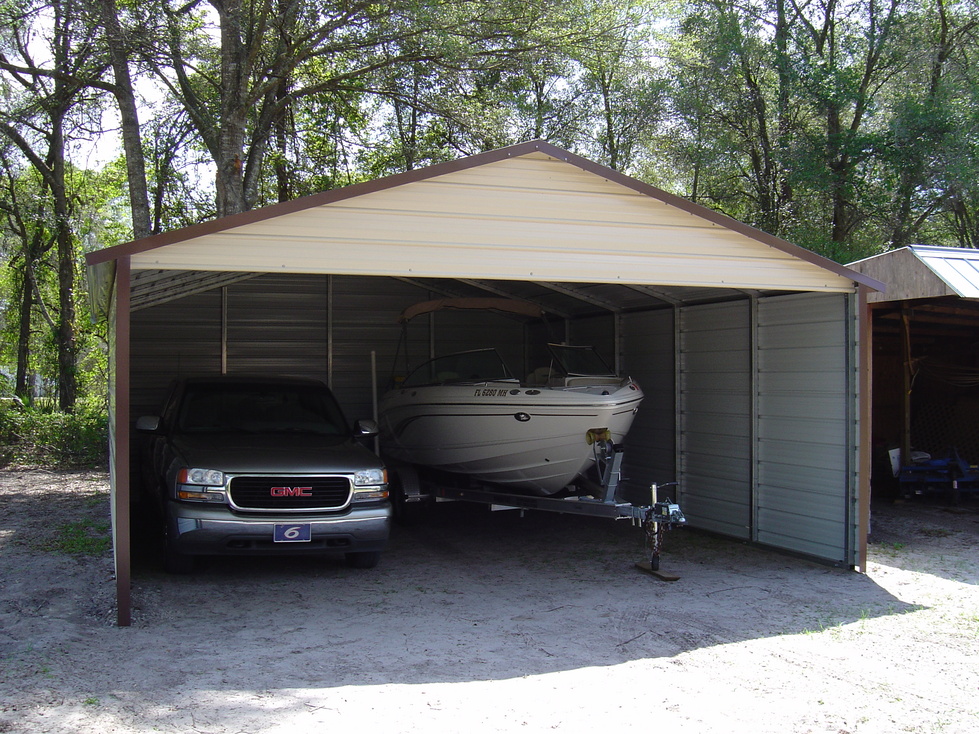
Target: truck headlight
200 485
370 477
370 485
204 477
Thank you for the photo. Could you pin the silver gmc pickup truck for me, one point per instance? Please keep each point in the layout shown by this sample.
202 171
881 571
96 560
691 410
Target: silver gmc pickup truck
262 465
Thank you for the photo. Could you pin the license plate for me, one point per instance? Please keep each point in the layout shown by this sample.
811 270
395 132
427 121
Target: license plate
291 533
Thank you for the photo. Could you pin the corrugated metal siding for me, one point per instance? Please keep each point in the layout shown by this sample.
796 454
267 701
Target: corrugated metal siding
182 337
598 332
648 357
319 326
958 267
715 417
277 325
364 319
448 331
806 438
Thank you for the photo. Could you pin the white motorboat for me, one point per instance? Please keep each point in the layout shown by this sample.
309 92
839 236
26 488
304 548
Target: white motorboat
466 413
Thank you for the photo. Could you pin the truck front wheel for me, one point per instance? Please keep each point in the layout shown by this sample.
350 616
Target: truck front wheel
363 559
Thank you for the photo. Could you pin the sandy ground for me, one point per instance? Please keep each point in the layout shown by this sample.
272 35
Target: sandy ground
489 622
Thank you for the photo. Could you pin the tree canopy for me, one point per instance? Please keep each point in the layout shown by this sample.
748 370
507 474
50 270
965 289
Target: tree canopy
846 126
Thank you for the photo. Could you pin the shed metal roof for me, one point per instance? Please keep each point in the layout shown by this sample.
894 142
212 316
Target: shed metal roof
923 271
531 213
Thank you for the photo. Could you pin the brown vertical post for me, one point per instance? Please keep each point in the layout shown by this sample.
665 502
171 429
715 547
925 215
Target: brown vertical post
866 418
120 446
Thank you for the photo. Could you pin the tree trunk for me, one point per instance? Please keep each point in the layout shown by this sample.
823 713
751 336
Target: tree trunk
22 386
65 336
230 184
131 138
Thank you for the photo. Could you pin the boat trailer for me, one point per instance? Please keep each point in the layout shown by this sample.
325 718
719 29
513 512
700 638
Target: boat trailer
413 485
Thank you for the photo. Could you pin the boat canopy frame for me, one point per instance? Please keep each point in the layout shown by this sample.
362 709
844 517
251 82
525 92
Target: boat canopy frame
506 305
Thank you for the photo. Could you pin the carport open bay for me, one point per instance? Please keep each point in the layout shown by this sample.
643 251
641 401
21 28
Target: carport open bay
486 621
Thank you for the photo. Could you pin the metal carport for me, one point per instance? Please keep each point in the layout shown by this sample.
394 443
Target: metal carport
751 350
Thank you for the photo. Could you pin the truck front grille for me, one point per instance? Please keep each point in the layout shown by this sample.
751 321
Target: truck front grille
290 493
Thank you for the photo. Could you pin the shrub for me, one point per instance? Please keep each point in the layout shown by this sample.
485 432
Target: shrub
43 436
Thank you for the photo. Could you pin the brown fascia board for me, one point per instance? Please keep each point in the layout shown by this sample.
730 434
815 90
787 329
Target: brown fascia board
439 169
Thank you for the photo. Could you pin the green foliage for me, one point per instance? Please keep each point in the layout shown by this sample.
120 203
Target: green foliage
82 538
40 435
844 128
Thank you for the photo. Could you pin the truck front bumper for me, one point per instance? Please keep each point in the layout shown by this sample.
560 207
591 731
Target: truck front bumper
215 530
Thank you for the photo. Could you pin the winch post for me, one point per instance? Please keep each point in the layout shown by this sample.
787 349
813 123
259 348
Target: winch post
654 533
659 517
611 465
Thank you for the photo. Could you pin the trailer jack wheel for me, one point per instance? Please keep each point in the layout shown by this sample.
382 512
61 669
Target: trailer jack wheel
660 517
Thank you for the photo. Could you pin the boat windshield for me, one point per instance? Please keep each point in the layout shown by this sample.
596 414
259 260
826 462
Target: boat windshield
579 361
476 366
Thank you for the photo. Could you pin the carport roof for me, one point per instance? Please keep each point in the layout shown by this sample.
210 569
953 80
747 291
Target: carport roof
529 213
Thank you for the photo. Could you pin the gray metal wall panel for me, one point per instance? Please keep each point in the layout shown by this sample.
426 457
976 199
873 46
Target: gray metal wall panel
365 319
178 338
457 331
277 325
648 357
598 332
715 417
805 429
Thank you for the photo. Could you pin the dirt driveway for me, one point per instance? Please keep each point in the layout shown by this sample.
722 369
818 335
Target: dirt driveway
487 622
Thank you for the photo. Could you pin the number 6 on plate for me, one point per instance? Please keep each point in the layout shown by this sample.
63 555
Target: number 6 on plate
298 533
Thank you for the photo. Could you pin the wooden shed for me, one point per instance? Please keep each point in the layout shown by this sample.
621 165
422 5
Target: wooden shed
925 355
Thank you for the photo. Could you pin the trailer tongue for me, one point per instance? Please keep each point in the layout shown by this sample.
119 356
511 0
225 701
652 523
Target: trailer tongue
412 486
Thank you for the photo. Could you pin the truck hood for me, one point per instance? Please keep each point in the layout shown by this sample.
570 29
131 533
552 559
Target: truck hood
274 453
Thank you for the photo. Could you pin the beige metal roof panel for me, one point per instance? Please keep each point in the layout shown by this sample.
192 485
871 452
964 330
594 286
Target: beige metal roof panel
516 236
533 212
340 257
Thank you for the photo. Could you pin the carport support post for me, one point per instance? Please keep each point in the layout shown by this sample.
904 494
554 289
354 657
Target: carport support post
119 462
865 417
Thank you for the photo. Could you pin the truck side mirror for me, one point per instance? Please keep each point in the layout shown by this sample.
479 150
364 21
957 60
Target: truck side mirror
148 424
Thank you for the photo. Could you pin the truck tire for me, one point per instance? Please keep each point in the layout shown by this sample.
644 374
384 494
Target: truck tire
363 559
405 484
174 561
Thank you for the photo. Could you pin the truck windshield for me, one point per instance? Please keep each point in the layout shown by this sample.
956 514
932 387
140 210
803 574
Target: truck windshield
244 408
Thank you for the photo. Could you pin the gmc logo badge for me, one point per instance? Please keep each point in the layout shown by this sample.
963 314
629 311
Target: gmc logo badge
292 491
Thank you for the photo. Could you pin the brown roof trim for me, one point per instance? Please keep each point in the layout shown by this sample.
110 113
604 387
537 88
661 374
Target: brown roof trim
347 192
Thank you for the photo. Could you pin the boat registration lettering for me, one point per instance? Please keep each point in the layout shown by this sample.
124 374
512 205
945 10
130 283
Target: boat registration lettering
490 392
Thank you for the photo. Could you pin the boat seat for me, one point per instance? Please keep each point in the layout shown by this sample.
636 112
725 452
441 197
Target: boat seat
540 376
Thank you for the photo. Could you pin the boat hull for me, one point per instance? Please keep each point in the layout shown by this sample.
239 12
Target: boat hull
517 437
